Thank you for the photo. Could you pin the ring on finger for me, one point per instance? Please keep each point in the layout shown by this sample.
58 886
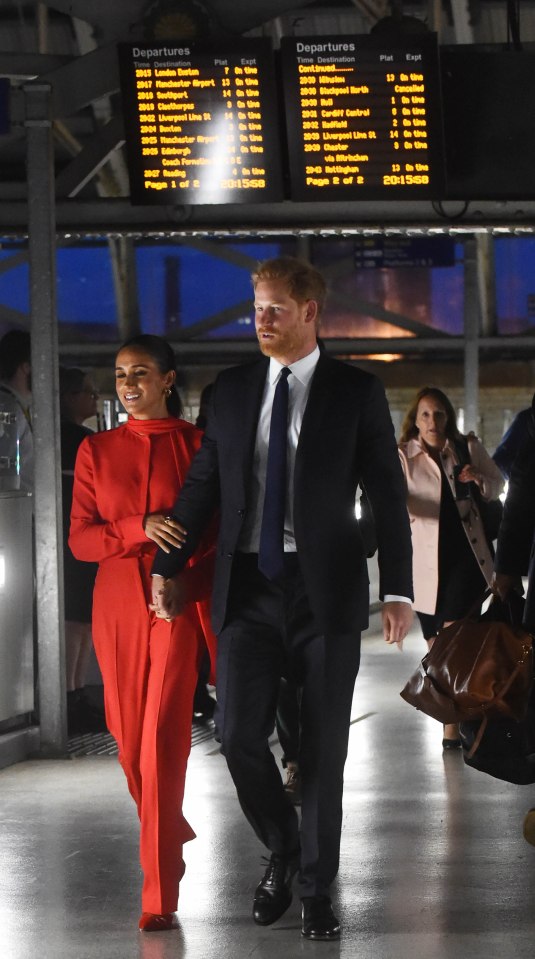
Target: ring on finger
168 520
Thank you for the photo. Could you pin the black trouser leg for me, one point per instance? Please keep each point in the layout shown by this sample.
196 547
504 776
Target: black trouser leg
330 666
287 719
248 676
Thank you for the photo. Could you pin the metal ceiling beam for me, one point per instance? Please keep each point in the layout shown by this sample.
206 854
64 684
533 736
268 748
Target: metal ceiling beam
82 80
118 216
124 20
219 350
83 168
372 10
462 21
27 66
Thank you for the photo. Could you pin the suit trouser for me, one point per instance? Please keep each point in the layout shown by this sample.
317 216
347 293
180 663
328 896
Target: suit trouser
149 668
287 719
270 629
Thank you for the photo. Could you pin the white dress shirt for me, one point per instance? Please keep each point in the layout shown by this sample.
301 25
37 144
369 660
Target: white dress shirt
298 390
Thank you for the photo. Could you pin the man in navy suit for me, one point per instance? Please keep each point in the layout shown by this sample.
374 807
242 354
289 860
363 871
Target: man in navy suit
298 613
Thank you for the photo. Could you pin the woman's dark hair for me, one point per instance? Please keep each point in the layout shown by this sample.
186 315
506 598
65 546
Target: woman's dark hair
162 353
409 429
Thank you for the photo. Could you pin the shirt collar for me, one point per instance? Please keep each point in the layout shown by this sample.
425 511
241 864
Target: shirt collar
415 447
302 369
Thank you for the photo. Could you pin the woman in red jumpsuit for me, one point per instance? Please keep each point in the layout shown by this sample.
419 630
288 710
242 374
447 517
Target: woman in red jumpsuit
126 481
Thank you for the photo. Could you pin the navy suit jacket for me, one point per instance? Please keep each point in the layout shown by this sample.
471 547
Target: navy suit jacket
515 550
346 437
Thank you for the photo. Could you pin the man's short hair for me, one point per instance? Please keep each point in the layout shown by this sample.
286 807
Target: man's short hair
15 349
303 280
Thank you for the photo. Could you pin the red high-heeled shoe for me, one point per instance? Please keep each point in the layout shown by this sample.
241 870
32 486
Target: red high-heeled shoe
156 922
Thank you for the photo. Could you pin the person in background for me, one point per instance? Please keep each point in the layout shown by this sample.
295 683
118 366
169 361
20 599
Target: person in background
125 482
515 549
452 559
77 403
288 437
16 382
511 442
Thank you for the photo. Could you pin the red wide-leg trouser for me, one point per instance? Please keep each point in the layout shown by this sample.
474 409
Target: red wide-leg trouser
149 668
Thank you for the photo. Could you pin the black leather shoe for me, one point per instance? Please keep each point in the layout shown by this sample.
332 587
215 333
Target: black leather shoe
319 920
273 894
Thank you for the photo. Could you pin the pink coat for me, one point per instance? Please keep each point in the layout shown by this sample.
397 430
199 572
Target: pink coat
423 483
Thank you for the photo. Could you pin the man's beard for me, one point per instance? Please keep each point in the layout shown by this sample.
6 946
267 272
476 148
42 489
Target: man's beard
280 344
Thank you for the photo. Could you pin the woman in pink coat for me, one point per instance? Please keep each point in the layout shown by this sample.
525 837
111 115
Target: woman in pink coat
452 558
125 483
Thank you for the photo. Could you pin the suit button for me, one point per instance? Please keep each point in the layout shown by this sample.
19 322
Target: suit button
230 555
481 562
241 512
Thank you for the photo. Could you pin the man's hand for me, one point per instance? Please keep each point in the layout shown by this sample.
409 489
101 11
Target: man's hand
158 583
397 620
165 531
169 596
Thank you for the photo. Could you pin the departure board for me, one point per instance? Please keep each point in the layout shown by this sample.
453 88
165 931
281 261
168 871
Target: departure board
201 123
363 117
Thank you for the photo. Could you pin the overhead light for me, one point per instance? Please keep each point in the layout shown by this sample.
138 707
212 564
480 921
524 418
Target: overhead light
184 20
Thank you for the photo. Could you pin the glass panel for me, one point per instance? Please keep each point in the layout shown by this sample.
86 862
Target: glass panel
374 301
203 293
86 296
14 278
205 290
515 284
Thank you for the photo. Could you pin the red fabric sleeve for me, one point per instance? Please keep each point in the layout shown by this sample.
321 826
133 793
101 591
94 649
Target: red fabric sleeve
91 538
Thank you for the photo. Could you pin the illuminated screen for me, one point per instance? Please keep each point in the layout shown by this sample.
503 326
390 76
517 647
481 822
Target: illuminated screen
200 123
363 117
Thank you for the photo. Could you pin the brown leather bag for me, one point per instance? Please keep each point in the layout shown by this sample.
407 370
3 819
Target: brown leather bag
478 666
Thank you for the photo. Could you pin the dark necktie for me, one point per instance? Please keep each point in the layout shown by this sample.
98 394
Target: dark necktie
271 550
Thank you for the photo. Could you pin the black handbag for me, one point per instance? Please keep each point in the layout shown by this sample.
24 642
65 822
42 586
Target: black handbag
500 746
506 750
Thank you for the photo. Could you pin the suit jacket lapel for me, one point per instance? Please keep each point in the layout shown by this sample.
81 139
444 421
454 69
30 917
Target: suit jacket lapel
248 402
318 408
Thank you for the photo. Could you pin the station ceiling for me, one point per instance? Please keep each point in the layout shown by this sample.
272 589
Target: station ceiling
71 44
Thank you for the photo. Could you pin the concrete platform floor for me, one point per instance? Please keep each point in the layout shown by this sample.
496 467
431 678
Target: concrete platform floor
434 865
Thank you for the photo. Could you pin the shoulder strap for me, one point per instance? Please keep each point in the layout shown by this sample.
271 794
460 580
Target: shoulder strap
463 450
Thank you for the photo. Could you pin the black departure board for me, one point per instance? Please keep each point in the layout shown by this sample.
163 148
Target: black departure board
201 122
363 117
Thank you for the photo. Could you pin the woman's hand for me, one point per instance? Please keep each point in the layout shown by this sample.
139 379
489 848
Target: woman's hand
469 474
165 531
